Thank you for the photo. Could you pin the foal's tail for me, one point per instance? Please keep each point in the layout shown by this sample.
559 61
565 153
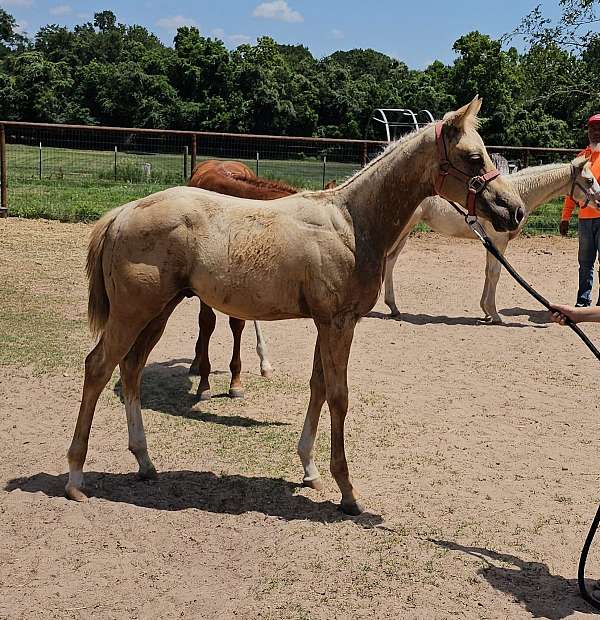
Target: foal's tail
98 302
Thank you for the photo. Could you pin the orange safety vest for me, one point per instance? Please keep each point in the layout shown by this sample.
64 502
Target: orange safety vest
570 204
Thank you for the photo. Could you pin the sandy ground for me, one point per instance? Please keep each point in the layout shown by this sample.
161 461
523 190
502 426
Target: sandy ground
474 447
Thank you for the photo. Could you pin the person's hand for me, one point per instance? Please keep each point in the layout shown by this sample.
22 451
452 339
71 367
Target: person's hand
559 314
563 227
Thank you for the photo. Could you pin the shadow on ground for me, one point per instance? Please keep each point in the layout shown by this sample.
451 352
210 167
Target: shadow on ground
180 490
428 319
167 388
531 584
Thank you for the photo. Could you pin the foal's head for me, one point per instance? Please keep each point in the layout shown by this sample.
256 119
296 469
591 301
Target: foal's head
467 159
585 187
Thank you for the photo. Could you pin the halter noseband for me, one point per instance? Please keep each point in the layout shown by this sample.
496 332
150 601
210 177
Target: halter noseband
475 184
584 190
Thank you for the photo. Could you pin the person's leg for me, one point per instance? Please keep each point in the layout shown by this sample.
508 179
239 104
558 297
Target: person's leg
586 258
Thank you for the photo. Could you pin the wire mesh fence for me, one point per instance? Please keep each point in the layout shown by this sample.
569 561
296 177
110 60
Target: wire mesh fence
76 173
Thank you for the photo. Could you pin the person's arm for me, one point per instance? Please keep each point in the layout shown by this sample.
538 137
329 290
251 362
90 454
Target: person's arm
578 315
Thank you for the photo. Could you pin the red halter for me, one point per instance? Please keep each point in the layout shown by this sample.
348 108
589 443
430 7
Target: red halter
475 185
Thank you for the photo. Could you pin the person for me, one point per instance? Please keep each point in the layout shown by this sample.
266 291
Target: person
589 221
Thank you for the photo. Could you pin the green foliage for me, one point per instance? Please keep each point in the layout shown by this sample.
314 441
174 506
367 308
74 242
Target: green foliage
109 73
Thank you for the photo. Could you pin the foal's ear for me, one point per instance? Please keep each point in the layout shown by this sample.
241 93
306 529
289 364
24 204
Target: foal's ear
465 117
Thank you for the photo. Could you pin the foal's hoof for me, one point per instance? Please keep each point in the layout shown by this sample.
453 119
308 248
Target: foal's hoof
351 508
76 494
267 373
148 474
204 395
315 483
236 392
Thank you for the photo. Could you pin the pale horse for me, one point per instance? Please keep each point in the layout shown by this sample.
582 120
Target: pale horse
318 255
536 186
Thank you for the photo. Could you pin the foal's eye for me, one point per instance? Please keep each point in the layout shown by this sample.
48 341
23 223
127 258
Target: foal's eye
476 158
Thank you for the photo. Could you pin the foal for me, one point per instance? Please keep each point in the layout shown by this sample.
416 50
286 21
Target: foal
316 255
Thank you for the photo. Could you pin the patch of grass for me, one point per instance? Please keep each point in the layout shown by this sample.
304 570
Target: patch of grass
33 334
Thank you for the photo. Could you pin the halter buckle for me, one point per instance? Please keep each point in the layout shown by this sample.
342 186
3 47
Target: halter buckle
476 184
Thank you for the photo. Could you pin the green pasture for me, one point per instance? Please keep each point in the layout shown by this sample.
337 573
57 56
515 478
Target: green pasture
75 185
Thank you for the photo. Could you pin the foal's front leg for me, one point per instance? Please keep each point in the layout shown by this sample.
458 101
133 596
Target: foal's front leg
335 340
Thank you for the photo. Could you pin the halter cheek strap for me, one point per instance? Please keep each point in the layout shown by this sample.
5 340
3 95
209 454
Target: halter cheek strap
475 184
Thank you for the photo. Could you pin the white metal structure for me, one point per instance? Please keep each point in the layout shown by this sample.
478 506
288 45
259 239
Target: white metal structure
398 121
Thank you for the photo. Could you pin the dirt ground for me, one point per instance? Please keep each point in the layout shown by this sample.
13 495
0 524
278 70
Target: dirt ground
474 448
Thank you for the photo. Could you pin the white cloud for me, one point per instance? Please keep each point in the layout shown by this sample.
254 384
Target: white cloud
337 34
176 21
279 10
21 3
232 39
238 39
22 26
61 9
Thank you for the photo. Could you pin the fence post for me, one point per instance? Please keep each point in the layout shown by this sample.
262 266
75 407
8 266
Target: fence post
193 152
115 163
365 154
324 166
526 158
185 158
3 175
257 158
40 163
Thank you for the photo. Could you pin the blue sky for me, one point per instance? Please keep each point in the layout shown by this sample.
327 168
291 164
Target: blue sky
416 32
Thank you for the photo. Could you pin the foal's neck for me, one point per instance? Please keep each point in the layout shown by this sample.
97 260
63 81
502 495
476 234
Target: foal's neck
542 183
382 197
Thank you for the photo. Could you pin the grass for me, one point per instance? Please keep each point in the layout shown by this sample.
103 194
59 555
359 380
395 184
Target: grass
73 185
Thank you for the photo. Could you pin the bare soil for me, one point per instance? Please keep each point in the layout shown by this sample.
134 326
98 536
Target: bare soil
474 447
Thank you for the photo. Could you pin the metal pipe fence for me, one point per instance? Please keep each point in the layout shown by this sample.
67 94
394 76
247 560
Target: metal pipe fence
77 172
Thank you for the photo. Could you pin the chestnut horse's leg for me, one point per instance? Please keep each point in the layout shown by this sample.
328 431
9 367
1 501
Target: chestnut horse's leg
266 370
335 340
131 371
235 387
206 323
306 444
117 339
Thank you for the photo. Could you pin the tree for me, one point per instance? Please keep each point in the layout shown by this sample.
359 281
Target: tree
483 68
10 39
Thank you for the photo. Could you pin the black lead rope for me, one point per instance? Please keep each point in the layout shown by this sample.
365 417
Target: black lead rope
476 227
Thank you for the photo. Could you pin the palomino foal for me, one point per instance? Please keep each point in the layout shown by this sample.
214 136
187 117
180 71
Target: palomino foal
316 255
536 185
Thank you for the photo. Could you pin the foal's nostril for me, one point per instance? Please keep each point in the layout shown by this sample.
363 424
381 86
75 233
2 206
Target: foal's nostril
519 215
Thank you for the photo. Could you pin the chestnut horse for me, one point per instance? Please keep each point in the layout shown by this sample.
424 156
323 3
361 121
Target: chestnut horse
232 178
318 255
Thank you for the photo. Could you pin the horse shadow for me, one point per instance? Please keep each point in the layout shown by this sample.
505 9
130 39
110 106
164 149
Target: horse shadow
428 319
166 387
204 490
531 584
540 317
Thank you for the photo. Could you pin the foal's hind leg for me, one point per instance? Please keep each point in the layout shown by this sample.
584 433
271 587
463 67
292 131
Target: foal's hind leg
131 371
117 339
235 387
206 322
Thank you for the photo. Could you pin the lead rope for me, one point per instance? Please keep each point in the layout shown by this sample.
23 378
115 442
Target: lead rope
478 229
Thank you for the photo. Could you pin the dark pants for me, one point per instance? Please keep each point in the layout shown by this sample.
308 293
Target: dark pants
589 248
